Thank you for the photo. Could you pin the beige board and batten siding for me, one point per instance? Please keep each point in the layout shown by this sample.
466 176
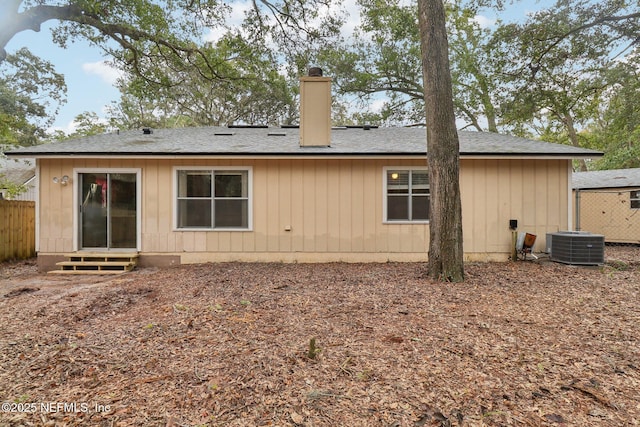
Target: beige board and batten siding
534 192
311 210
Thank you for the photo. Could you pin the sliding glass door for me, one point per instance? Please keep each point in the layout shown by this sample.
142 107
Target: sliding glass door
108 210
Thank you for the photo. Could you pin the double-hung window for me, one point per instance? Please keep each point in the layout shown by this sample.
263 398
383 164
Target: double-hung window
213 198
634 199
406 195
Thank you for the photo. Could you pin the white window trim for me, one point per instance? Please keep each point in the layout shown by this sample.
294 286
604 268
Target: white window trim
385 169
247 169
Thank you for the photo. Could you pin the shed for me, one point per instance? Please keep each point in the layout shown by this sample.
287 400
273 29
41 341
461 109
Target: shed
607 202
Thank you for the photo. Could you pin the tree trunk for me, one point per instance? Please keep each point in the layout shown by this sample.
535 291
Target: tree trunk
446 261
573 137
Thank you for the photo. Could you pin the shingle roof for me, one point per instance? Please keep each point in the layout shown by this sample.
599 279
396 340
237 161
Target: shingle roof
614 178
18 171
219 141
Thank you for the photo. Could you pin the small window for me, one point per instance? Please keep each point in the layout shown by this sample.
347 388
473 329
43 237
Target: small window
635 199
213 199
407 195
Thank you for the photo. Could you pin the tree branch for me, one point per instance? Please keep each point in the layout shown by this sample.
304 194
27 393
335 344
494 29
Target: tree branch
594 23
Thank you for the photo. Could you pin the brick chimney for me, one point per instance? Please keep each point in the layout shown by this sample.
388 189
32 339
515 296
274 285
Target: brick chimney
315 109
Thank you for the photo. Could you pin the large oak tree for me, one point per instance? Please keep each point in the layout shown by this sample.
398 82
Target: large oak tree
446 260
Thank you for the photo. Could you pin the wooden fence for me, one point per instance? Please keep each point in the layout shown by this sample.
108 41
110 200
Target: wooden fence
17 229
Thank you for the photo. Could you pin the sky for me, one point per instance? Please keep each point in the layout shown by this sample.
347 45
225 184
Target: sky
90 81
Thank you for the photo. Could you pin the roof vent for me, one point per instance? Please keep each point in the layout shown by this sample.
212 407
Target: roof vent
364 127
147 131
315 72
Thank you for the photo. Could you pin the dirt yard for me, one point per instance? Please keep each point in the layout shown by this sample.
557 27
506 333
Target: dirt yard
526 344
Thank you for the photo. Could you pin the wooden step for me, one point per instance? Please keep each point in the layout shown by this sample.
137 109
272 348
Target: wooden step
88 272
97 263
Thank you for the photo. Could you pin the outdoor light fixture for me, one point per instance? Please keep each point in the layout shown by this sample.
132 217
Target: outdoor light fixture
64 180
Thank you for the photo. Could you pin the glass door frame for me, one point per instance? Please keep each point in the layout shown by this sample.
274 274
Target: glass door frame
77 235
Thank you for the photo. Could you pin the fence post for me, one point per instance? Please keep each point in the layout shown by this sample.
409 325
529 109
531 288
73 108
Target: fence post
577 219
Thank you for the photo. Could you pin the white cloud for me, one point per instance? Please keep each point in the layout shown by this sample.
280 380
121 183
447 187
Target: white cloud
377 105
484 21
67 128
103 70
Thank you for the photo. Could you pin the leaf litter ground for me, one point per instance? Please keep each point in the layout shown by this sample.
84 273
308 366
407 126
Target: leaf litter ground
525 343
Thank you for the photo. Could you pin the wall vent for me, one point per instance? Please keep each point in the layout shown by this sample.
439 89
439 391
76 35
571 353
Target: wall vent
577 248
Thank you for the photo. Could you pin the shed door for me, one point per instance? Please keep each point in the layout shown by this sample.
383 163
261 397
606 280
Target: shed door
108 211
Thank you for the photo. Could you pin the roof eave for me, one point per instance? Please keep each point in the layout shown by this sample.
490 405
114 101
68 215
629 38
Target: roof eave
327 154
630 187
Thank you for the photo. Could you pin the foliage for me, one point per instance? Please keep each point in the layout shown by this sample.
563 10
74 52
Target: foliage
382 60
139 34
31 93
476 66
87 124
12 189
252 92
616 129
560 88
181 56
545 77
560 78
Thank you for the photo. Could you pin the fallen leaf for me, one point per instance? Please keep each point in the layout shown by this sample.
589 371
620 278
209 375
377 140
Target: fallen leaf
555 418
297 418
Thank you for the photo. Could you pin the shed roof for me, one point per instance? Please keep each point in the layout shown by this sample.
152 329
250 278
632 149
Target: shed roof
243 142
613 178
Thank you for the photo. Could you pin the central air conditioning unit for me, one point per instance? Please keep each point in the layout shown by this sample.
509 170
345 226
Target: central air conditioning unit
576 247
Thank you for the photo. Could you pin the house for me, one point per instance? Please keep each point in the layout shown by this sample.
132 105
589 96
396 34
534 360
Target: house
312 193
20 172
607 202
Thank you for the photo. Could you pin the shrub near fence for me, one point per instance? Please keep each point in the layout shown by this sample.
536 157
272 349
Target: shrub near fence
17 229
